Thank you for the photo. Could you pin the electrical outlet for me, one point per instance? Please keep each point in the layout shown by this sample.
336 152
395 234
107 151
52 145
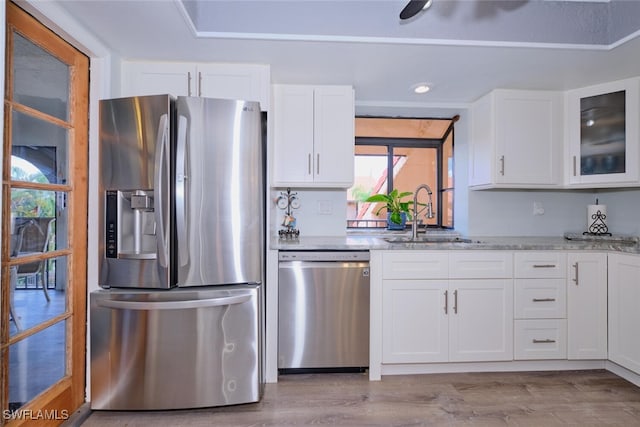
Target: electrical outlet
538 209
325 207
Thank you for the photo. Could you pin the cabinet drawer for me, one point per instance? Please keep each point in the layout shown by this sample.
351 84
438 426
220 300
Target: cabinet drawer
540 298
540 264
415 265
540 339
480 264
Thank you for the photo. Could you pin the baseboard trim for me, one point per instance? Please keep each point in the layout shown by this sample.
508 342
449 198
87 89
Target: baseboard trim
628 375
79 416
514 366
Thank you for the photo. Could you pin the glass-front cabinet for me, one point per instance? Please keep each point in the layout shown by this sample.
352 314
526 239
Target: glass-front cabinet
603 135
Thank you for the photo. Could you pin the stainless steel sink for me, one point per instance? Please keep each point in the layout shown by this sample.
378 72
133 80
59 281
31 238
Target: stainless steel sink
428 239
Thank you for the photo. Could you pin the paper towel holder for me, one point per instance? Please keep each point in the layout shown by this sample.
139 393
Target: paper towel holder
598 226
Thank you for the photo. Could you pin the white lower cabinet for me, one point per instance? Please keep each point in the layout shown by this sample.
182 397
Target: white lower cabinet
540 339
624 310
480 320
587 305
415 327
430 315
540 321
540 299
481 306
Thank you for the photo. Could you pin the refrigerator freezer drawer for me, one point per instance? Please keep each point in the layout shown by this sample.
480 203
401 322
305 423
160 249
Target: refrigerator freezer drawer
175 349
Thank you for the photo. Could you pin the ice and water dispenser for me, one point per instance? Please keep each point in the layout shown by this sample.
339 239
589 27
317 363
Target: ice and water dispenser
130 225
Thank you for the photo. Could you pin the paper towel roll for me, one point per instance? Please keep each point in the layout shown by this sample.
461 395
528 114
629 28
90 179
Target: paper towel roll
596 219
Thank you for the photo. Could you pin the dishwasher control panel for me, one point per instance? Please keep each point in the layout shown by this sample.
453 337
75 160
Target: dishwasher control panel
323 256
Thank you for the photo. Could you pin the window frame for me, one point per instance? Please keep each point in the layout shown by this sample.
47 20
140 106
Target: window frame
397 142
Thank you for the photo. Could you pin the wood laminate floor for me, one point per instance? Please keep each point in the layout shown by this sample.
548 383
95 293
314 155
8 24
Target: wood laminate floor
587 398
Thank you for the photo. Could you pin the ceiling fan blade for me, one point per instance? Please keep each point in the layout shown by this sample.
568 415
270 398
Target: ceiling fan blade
412 8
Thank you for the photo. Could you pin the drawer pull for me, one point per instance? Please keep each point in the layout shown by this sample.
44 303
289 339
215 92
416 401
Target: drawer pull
543 299
547 341
575 279
544 266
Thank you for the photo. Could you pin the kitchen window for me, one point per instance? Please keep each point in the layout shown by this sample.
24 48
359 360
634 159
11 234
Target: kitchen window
402 154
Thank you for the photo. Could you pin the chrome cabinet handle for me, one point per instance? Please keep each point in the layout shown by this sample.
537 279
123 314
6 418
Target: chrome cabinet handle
502 165
575 279
574 166
544 266
545 341
446 302
309 163
455 301
199 83
189 83
543 299
318 164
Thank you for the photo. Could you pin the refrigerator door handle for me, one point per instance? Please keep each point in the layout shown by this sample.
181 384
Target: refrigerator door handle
161 175
174 305
181 189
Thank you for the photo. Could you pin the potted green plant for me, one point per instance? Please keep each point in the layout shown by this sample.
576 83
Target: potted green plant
398 211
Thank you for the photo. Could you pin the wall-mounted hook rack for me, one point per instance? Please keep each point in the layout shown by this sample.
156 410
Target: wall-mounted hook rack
288 201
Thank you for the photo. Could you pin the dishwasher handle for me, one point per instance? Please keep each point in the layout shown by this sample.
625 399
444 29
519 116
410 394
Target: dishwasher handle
173 305
322 264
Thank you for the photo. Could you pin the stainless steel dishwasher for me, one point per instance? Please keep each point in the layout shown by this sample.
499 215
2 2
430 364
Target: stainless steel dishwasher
323 310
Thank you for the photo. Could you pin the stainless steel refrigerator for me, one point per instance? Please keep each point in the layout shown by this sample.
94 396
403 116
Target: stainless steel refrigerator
179 321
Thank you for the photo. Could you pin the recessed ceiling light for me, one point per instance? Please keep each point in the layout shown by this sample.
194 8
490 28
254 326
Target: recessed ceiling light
421 88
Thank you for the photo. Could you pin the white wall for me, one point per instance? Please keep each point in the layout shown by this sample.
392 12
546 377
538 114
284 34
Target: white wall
322 212
623 208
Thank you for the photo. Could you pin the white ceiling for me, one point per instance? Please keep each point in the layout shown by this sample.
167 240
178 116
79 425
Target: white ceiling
462 48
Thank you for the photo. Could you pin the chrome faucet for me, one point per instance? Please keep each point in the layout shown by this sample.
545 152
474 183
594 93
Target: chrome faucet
414 229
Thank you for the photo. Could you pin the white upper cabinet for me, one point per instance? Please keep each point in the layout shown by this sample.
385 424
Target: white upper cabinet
250 82
516 140
602 135
152 78
313 136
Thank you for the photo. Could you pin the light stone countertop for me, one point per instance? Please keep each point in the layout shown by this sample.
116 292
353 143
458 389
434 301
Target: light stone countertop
375 241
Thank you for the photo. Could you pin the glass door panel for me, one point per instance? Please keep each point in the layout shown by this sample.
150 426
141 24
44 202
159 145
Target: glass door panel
36 363
602 134
39 150
38 294
41 81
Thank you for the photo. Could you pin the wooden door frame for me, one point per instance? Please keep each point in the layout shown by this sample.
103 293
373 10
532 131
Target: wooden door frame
66 395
